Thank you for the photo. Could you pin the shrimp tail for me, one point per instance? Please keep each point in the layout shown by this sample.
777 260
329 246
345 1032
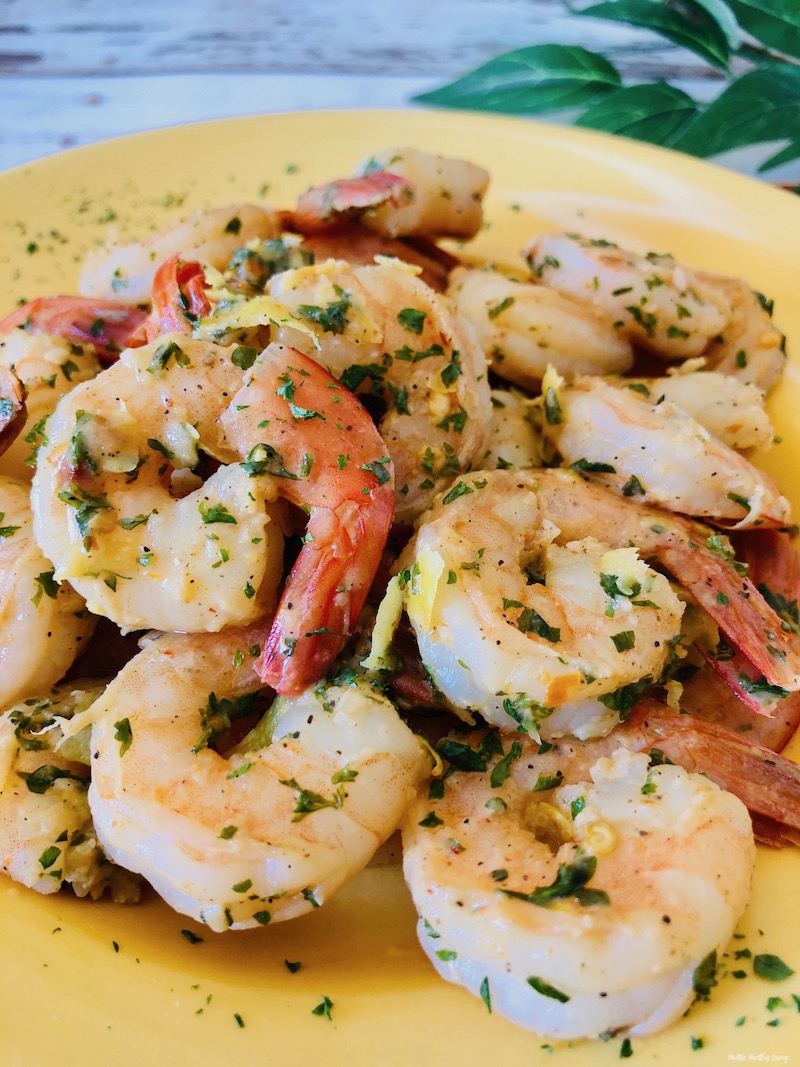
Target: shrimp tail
179 298
324 593
346 198
773 567
108 325
699 558
768 655
767 783
333 465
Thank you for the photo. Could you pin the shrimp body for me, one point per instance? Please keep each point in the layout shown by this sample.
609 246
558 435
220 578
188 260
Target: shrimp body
522 328
652 300
122 517
46 835
750 348
125 271
650 448
150 544
262 833
48 366
346 200
699 559
729 408
498 869
383 332
42 624
512 650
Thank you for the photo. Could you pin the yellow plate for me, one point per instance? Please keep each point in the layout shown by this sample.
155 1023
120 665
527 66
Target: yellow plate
101 984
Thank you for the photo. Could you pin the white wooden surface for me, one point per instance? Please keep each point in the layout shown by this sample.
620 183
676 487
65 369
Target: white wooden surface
76 71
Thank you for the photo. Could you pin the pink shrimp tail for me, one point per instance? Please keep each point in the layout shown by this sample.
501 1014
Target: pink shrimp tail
328 205
332 464
179 298
325 591
774 578
736 605
106 324
767 783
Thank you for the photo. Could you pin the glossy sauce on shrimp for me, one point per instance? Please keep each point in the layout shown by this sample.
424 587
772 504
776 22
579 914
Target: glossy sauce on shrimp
271 462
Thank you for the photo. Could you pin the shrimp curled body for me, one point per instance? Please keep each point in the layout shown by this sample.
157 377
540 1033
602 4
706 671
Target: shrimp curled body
384 333
126 270
265 832
42 624
46 834
655 303
500 878
649 447
592 621
401 192
111 504
524 327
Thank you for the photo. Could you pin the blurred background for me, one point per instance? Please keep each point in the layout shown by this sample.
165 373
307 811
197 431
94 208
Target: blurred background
84 70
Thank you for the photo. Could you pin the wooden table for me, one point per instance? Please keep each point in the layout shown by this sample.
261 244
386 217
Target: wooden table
76 72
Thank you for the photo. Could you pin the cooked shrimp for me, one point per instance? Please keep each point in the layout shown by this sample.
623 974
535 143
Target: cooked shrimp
347 199
46 835
326 456
593 622
697 557
383 332
653 301
150 545
47 366
649 448
750 348
727 690
729 408
122 517
522 328
262 833
576 897
767 783
42 623
125 271
179 298
402 192
107 325
512 439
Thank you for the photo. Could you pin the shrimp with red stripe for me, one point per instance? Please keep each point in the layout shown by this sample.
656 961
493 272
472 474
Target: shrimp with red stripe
156 496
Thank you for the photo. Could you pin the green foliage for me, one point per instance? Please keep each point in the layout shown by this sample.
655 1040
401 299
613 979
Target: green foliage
531 81
752 46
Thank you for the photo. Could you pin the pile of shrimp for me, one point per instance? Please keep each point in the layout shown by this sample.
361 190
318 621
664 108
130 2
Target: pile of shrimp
312 531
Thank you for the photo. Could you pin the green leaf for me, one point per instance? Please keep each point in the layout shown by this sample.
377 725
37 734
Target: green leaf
786 155
725 19
774 22
532 81
690 25
762 105
654 113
